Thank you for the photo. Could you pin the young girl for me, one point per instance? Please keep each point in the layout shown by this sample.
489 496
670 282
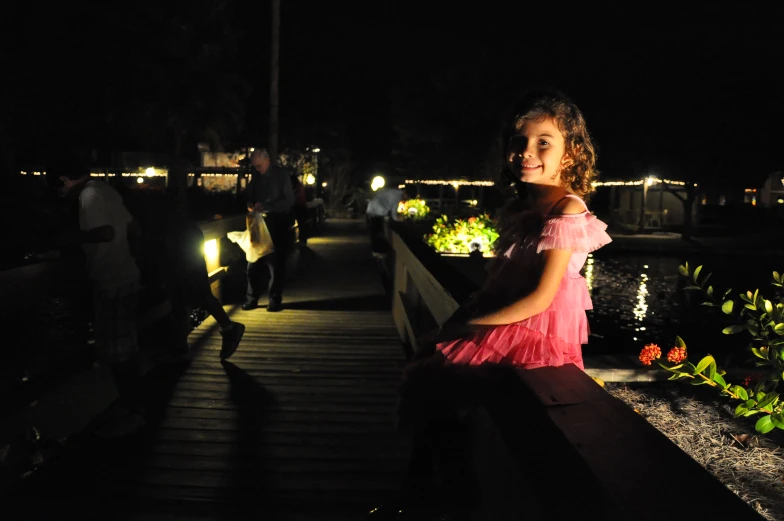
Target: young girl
531 310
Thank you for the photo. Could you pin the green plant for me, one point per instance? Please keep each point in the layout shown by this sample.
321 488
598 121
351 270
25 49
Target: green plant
414 209
763 320
463 235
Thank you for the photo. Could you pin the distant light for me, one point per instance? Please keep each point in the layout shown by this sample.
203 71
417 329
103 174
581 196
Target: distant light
140 180
324 184
459 182
649 181
780 201
310 179
251 149
378 182
150 172
474 202
317 150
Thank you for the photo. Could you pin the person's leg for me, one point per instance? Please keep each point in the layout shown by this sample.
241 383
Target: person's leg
279 226
231 331
117 342
213 306
303 224
378 243
255 276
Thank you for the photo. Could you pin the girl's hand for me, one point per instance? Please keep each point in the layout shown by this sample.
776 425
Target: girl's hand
454 331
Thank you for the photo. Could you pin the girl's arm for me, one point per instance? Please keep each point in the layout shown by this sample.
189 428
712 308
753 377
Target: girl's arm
555 263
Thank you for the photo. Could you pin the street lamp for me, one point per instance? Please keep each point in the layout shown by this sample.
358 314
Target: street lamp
316 150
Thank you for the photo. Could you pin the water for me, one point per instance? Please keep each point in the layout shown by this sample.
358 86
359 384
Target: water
640 299
636 301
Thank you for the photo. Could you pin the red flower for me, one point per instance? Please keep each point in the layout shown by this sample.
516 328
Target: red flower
677 355
650 353
751 379
472 220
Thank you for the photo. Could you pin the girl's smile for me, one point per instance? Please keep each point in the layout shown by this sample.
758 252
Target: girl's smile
536 152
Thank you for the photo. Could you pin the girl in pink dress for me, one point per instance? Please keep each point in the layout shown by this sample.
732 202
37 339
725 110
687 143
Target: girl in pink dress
531 310
529 313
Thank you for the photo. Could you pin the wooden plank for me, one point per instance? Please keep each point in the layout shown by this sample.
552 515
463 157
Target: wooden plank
256 425
395 453
370 371
342 379
287 438
210 495
369 465
355 483
280 405
283 416
291 388
338 381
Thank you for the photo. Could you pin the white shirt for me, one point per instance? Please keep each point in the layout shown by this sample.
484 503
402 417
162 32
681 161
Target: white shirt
109 264
385 203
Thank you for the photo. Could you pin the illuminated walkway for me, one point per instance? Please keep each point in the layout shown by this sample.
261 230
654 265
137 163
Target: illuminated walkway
300 421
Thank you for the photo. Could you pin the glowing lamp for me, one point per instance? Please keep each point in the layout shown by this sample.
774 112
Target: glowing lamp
310 179
378 182
211 250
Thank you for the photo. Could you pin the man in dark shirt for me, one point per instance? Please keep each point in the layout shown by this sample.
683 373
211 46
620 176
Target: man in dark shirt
270 192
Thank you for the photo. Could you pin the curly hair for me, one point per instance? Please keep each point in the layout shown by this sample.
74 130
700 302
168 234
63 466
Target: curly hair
580 168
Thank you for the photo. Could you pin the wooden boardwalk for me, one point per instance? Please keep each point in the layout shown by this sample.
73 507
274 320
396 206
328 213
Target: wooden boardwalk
299 424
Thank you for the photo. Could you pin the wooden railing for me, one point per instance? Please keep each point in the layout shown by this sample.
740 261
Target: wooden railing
550 443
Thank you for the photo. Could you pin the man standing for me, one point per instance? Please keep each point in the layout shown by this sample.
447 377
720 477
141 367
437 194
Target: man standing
270 192
384 204
107 232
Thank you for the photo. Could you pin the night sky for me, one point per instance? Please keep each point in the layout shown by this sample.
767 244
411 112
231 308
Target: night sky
686 91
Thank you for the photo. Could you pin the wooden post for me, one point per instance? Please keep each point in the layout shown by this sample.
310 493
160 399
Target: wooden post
642 206
274 82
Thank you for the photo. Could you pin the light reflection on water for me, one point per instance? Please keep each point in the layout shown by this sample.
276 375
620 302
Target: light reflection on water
636 300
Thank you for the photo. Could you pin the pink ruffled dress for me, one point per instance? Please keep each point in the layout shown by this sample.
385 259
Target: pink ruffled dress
554 336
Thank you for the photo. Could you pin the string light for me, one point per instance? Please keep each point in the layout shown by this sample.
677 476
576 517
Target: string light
454 183
649 181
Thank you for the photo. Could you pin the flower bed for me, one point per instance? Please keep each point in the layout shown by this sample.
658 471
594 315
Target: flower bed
414 209
463 236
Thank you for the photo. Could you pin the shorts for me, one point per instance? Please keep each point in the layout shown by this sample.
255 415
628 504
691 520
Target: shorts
115 325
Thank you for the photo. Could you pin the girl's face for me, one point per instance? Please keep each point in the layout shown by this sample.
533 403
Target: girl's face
536 152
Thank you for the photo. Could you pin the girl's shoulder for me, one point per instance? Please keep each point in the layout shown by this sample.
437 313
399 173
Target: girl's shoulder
569 204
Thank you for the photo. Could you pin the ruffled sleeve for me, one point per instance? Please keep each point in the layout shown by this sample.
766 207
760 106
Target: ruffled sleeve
580 233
